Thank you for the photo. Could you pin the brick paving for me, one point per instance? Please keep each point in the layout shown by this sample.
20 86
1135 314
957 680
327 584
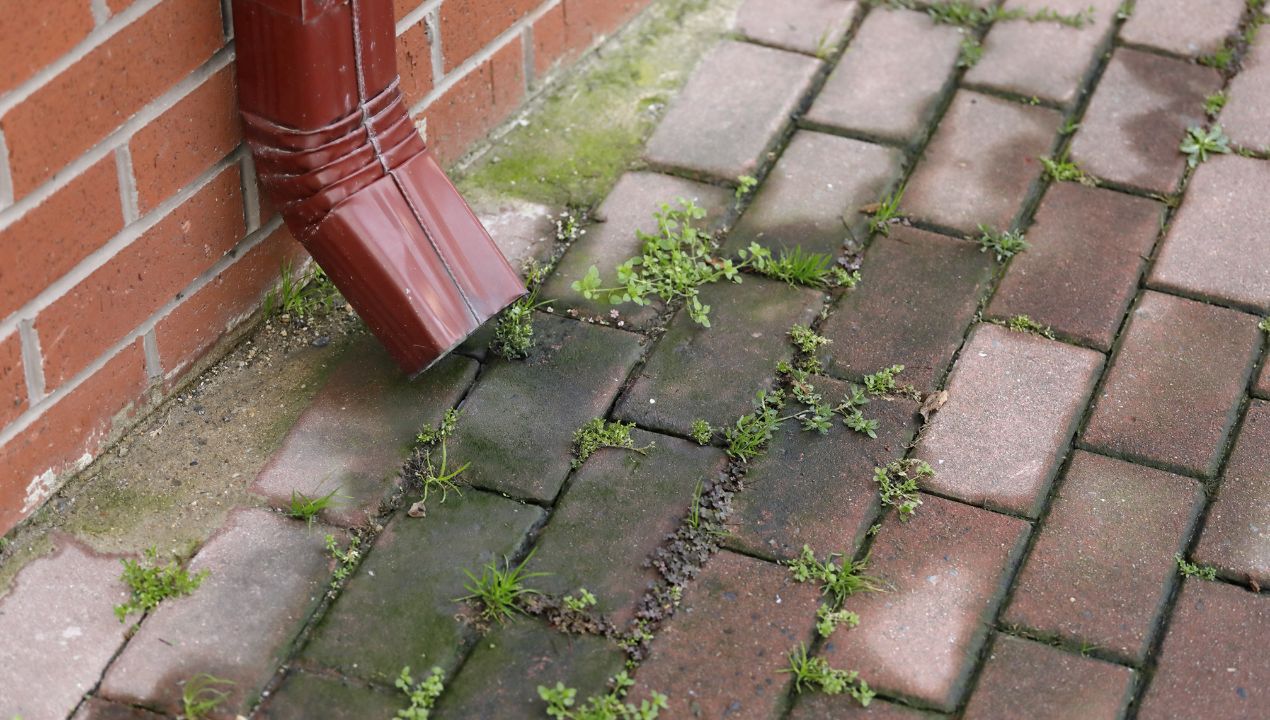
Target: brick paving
1038 578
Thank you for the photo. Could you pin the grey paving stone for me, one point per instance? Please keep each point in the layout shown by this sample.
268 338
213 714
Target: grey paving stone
813 27
1182 26
1237 533
1049 683
1248 106
305 697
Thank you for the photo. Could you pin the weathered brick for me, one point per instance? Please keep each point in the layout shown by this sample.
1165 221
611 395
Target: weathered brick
1237 535
807 26
354 436
1015 401
1171 395
942 281
1249 100
1049 683
476 103
137 281
99 92
414 62
1092 576
518 422
400 608
266 574
629 208
1182 27
501 677
304 696
13 394
1138 116
1044 60
1074 224
889 82
38 33
1211 664
400 8
817 490
55 235
948 565
97 709
980 163
467 26
747 337
59 630
619 508
819 706
751 92
812 197
722 652
591 19
1216 246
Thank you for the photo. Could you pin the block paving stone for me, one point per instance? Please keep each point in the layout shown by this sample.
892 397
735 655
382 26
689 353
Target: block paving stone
751 91
1014 402
981 163
948 566
1171 395
518 422
1045 682
400 606
818 490
1263 384
748 335
873 326
1210 664
1248 100
1103 566
266 576
1216 248
354 436
1179 26
304 696
1072 224
1236 535
721 654
95 709
889 82
619 508
812 197
1138 116
805 26
818 706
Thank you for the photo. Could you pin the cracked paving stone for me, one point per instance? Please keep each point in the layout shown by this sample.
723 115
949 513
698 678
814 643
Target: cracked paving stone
303 697
806 26
1182 27
1050 683
1237 533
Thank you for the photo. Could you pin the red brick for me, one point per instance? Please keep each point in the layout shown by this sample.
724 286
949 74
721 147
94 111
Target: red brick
1237 535
1181 27
1092 576
102 90
414 62
1249 103
467 26
185 141
36 34
947 566
591 19
1174 387
476 103
55 235
553 42
74 427
722 652
1212 663
135 283
1108 236
13 395
1049 683
400 8
806 26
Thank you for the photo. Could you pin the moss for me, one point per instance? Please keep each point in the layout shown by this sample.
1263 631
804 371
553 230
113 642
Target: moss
19 555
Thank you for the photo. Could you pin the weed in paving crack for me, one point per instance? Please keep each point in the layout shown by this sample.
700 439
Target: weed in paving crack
1264 324
423 695
202 694
1025 324
749 437
500 589
898 483
514 329
1214 103
346 559
1004 245
702 433
806 340
585 599
971 51
561 701
1063 170
885 213
301 295
429 463
597 434
1200 143
1195 570
307 508
883 382
814 673
744 186
151 583
798 267
840 579
828 620
1223 59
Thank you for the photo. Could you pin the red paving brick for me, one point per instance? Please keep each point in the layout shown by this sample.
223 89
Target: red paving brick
1103 565
1174 386
1248 102
1014 402
1049 683
948 566
1181 27
814 27
1072 225
1237 533
1211 664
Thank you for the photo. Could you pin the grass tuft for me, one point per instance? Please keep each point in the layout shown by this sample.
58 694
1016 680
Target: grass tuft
500 589
202 694
814 673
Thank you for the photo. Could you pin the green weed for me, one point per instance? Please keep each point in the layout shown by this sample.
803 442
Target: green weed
202 694
499 589
814 673
702 432
898 482
1214 103
597 434
807 340
971 51
433 442
1025 324
301 296
828 620
345 559
1200 143
1004 245
744 186
1264 324
840 580
883 382
585 599
1064 170
886 212
307 508
514 329
423 696
610 706
749 437
798 267
1195 570
1223 59
151 583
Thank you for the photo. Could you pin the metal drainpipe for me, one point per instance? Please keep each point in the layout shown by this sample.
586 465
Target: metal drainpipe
337 153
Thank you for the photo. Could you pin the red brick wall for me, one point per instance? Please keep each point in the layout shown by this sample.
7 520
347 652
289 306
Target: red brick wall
132 237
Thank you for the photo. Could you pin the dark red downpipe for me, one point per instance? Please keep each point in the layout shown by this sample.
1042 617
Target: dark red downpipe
336 151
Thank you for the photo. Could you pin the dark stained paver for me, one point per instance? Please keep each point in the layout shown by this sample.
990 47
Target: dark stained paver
1045 682
713 373
814 27
1263 384
1103 566
948 566
979 166
889 82
101 710
305 697
818 706
1182 27
1217 247
1074 224
518 422
1244 118
812 197
399 609
1237 533
1138 116
1174 386
920 327
1014 402
721 653
1212 664
751 92
617 511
